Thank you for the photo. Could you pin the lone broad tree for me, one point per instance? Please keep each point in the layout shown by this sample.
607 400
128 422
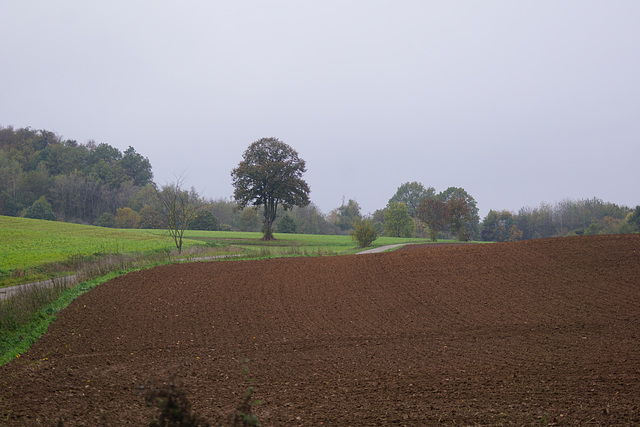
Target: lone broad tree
270 175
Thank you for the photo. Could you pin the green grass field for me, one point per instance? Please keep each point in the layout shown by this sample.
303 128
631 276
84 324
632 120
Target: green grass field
292 244
27 244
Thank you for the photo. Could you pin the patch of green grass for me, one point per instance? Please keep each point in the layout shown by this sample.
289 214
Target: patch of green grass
27 246
294 244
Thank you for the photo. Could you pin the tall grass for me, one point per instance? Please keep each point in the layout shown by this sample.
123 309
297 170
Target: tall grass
28 300
26 316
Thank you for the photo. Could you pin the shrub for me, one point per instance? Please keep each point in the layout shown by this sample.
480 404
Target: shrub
127 218
364 233
150 217
174 407
204 221
41 209
106 220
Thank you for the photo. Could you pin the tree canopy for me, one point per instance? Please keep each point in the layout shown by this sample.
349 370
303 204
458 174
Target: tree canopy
435 213
270 175
81 181
412 194
397 221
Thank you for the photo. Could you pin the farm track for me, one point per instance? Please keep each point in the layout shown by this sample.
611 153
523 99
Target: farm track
527 333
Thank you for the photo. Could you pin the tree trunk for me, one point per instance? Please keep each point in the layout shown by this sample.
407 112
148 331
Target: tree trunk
270 209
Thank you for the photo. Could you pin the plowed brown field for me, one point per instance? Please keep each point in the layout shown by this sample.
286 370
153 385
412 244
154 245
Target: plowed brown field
535 332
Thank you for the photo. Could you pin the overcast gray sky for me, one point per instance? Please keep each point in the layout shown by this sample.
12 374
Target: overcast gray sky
518 102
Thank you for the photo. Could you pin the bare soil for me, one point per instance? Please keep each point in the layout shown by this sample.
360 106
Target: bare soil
528 333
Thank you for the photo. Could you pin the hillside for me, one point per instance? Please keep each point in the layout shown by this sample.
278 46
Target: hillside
520 333
27 245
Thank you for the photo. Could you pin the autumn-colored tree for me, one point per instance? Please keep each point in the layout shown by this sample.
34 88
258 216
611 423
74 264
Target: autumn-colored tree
464 219
127 218
270 175
634 219
459 215
151 217
515 233
435 213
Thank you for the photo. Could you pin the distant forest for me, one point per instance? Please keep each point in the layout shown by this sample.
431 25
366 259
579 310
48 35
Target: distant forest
45 176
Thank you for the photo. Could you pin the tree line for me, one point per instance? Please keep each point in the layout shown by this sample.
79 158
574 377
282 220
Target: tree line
78 181
44 176
566 218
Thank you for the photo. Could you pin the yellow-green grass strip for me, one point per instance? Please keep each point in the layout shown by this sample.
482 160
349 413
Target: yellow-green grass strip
27 243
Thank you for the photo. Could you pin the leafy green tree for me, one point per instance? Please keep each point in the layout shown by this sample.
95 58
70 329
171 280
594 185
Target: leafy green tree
11 178
287 225
270 175
397 221
204 221
127 218
137 167
364 233
497 227
346 215
41 209
106 220
110 174
103 151
37 180
179 208
634 219
435 214
412 194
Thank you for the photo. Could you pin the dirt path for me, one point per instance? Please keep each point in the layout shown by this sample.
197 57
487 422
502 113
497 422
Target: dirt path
380 249
527 333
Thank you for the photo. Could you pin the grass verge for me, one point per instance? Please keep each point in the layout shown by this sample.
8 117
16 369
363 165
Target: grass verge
25 317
